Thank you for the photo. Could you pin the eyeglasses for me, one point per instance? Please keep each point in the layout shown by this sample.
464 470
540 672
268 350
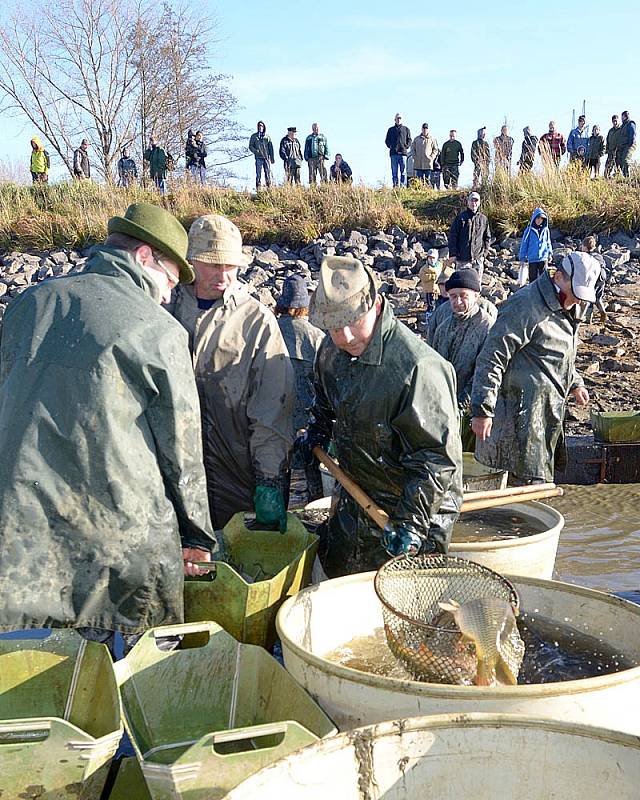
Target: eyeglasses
173 281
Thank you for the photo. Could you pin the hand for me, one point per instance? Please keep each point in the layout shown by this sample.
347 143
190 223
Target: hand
481 426
269 507
305 443
191 554
400 540
580 395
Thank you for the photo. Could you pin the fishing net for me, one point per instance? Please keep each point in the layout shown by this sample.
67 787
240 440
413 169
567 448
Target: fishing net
423 636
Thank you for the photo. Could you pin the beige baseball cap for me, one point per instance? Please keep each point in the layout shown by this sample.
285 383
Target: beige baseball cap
346 291
214 239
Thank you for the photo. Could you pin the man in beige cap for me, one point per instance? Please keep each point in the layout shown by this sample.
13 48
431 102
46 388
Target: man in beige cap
244 378
389 403
102 488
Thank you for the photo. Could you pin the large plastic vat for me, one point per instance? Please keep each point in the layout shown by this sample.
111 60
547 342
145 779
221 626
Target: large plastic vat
532 556
278 564
60 717
204 717
477 477
324 617
455 757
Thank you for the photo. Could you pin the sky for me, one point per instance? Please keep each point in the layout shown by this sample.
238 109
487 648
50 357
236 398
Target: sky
352 65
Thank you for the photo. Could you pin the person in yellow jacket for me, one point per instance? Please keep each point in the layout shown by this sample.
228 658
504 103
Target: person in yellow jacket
39 162
428 276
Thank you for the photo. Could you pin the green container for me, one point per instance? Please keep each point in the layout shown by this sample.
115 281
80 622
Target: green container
476 477
204 717
280 565
60 717
129 783
616 427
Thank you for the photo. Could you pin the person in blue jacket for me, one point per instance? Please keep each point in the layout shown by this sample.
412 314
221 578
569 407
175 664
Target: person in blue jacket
535 248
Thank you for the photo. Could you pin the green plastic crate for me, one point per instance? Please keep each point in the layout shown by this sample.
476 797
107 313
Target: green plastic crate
60 717
279 563
129 783
204 717
616 427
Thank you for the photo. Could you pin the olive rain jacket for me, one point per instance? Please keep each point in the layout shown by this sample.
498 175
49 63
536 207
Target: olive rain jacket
302 340
444 311
524 374
246 388
460 340
101 472
157 159
394 421
614 140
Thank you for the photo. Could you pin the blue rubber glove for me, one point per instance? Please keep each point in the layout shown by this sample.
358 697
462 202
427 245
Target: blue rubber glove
401 540
269 507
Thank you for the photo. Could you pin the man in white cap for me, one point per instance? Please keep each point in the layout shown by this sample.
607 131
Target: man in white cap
525 373
244 379
470 236
388 402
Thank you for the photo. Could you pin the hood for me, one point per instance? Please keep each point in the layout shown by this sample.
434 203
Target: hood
527 131
539 212
260 122
37 142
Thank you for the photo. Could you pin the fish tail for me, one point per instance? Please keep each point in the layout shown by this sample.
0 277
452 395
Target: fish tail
504 674
484 674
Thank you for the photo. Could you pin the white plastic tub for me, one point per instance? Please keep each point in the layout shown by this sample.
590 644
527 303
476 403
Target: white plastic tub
455 757
321 618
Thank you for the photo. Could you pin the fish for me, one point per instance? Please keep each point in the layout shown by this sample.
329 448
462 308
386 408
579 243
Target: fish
490 624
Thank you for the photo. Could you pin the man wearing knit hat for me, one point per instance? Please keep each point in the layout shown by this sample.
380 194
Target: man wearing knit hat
525 373
102 488
244 379
460 338
388 402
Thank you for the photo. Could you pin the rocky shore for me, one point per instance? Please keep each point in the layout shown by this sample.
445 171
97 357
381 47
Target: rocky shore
608 359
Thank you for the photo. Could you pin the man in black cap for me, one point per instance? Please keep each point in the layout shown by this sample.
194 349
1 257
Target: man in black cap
291 155
470 236
460 337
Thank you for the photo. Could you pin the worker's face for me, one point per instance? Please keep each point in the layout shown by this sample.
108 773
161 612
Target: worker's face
564 283
354 339
164 272
212 280
462 301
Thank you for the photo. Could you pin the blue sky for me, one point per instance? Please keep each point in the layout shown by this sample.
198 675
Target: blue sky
352 65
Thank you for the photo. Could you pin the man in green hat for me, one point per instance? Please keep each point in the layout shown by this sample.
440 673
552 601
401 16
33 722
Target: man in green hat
388 401
103 501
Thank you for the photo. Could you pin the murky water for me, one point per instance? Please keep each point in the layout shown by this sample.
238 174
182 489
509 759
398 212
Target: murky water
600 544
494 524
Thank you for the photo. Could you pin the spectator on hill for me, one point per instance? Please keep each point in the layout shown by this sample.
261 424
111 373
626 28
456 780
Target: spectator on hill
340 171
398 140
157 159
528 154
195 157
316 152
535 248
481 157
595 151
81 166
424 149
291 155
503 145
611 149
470 236
627 144
261 146
436 172
578 142
127 170
451 158
40 162
552 146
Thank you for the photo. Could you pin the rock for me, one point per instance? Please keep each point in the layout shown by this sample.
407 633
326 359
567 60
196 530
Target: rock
397 232
58 257
267 259
357 239
616 257
256 276
3 289
265 296
604 339
613 365
592 368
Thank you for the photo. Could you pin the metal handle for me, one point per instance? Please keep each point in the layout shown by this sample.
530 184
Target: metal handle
28 732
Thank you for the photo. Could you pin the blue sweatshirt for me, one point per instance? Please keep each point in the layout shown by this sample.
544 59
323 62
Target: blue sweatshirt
536 241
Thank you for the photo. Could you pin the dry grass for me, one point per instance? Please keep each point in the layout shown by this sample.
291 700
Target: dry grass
75 215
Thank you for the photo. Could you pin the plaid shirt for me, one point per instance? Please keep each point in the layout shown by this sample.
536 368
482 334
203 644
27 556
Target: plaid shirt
554 143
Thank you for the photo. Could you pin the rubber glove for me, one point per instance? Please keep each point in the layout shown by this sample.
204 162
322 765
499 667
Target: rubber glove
304 445
269 507
401 540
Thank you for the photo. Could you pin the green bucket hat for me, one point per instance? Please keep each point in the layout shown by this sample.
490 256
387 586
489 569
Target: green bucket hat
158 228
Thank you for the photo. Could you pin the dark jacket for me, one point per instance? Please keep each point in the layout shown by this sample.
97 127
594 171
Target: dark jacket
394 420
81 166
451 153
523 377
398 140
528 153
261 146
595 146
613 140
469 236
480 152
195 153
345 172
628 133
101 474
290 151
157 160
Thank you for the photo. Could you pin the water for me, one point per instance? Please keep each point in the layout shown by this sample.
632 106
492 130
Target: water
494 524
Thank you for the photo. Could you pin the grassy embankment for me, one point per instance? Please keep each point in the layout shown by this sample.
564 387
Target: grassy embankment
74 215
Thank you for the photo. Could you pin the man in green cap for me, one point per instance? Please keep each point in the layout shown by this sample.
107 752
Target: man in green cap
388 401
244 377
102 490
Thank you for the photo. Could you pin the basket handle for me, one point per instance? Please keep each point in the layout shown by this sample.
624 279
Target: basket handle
24 732
294 737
